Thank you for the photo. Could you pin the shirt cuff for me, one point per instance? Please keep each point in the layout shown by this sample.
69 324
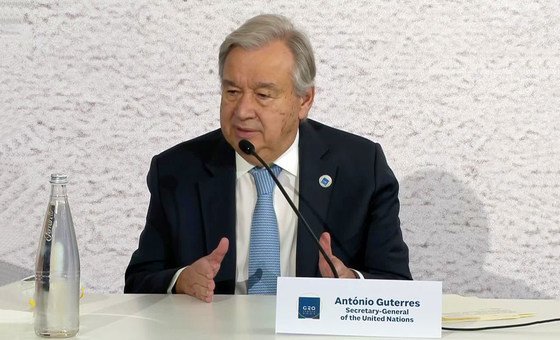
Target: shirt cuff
174 280
358 274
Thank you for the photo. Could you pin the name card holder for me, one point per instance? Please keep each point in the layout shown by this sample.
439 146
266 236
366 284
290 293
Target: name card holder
390 308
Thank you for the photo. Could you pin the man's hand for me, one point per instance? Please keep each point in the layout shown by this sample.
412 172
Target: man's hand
198 279
342 270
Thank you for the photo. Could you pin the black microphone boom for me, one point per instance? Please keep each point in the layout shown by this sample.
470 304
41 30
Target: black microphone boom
249 149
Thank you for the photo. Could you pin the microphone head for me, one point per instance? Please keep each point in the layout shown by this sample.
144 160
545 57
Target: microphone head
246 146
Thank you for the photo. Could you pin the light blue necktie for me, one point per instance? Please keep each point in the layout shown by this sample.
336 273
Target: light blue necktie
264 245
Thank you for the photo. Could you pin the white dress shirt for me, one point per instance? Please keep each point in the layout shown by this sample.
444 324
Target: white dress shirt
246 198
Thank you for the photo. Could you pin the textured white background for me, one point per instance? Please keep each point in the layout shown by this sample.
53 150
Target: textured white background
464 96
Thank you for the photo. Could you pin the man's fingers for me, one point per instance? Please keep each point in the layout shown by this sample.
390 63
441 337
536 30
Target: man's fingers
217 255
324 267
199 286
203 279
325 241
197 274
198 279
203 291
202 271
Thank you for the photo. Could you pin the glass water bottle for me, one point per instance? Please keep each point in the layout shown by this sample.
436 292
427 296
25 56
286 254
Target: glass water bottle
57 271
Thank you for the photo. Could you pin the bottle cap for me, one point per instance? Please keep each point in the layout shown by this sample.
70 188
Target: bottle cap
59 179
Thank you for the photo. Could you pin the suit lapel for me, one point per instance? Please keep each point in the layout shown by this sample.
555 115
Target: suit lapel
313 198
217 201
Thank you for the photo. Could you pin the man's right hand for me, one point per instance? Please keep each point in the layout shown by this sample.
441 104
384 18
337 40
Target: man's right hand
198 279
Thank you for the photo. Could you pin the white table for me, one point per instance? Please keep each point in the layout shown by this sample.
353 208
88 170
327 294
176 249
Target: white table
165 317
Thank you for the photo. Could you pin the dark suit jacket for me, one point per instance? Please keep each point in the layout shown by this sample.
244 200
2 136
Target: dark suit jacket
192 207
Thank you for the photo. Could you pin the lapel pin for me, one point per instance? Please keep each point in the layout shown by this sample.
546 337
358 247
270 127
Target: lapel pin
325 181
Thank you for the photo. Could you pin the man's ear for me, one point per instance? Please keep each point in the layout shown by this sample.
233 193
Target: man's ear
305 102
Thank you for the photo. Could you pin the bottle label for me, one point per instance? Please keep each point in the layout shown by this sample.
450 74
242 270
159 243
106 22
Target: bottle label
50 222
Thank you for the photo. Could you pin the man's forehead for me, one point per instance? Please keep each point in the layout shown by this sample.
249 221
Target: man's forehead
259 84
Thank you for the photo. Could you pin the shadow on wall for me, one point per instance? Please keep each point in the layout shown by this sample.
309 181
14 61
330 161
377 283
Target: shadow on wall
10 273
446 228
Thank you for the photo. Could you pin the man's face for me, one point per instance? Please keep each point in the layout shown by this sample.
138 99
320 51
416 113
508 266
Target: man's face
259 102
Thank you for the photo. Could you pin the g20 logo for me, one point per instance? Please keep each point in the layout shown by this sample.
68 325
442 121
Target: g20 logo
309 308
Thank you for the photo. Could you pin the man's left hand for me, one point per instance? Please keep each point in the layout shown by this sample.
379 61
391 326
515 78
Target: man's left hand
342 270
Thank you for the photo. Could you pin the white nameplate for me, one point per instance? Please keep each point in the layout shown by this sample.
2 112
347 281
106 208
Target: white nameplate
391 308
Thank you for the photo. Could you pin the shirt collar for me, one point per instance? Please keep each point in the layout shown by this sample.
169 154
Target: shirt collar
288 161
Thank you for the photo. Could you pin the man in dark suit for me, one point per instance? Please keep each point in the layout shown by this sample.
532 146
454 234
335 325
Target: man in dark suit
198 228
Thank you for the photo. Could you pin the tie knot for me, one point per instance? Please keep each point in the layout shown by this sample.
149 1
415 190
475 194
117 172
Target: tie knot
263 181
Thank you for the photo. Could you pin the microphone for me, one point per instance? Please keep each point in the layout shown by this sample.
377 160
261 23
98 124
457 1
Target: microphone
249 149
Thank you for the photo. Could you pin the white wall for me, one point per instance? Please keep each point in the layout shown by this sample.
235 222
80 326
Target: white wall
464 96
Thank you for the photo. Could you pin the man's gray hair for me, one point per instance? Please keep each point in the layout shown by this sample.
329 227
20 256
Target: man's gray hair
263 29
